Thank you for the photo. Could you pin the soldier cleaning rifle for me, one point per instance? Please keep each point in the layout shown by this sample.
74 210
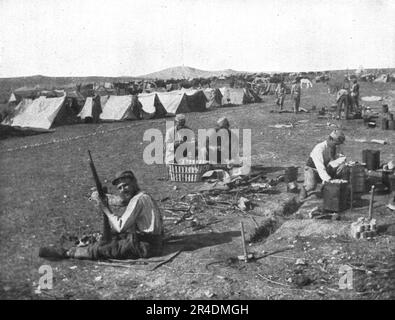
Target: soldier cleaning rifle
135 232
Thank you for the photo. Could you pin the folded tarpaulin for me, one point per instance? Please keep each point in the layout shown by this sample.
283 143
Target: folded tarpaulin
372 99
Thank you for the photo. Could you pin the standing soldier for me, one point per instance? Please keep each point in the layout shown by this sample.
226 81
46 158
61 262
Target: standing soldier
296 92
280 93
342 99
355 95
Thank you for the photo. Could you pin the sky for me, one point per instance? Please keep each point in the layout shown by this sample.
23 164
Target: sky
136 37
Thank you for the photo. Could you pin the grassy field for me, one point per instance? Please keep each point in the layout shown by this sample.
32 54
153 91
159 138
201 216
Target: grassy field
46 182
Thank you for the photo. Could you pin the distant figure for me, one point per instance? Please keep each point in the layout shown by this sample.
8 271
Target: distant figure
296 92
343 99
280 94
355 95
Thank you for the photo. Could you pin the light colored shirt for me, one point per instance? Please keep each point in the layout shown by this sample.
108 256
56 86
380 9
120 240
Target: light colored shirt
142 214
280 91
321 156
174 136
340 93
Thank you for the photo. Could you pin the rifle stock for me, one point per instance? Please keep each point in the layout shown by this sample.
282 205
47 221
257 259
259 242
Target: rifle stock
102 195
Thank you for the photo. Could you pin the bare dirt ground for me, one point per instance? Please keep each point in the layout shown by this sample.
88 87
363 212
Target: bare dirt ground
46 182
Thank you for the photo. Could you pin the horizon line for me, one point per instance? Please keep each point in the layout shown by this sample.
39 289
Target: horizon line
147 74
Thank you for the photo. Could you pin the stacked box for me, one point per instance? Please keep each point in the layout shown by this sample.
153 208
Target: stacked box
335 195
363 228
371 158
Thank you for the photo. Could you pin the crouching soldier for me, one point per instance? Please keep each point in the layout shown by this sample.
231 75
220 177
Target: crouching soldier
222 145
318 166
135 221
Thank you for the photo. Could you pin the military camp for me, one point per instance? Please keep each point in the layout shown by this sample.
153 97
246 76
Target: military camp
218 153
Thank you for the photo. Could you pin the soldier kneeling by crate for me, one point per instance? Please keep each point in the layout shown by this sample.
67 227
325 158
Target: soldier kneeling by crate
318 166
134 219
221 144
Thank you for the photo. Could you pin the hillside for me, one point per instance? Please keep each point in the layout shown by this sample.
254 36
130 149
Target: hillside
185 72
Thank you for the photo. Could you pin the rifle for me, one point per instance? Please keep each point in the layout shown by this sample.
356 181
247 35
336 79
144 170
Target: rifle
106 225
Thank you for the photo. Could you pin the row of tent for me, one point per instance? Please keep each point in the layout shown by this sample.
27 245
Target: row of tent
45 112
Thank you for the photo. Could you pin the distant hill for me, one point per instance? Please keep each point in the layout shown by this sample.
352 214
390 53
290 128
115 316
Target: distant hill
184 72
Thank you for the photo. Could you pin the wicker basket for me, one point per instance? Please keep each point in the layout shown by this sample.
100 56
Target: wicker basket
187 172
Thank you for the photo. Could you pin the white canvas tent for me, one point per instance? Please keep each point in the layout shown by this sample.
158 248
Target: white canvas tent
234 96
382 78
306 83
196 100
214 98
42 113
174 102
20 108
91 109
12 98
151 106
118 108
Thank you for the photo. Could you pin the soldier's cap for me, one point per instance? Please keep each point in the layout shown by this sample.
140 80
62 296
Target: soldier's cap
121 175
338 136
180 117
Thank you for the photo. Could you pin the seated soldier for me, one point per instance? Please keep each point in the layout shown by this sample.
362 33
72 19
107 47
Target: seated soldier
136 232
318 167
175 138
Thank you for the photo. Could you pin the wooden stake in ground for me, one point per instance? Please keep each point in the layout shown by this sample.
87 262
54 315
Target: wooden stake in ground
371 203
351 188
245 255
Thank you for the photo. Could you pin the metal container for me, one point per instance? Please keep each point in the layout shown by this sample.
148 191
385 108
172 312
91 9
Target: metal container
371 158
358 178
335 196
291 174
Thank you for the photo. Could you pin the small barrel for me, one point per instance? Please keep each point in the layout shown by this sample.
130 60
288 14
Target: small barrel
384 124
335 196
291 174
390 116
391 124
384 108
371 158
